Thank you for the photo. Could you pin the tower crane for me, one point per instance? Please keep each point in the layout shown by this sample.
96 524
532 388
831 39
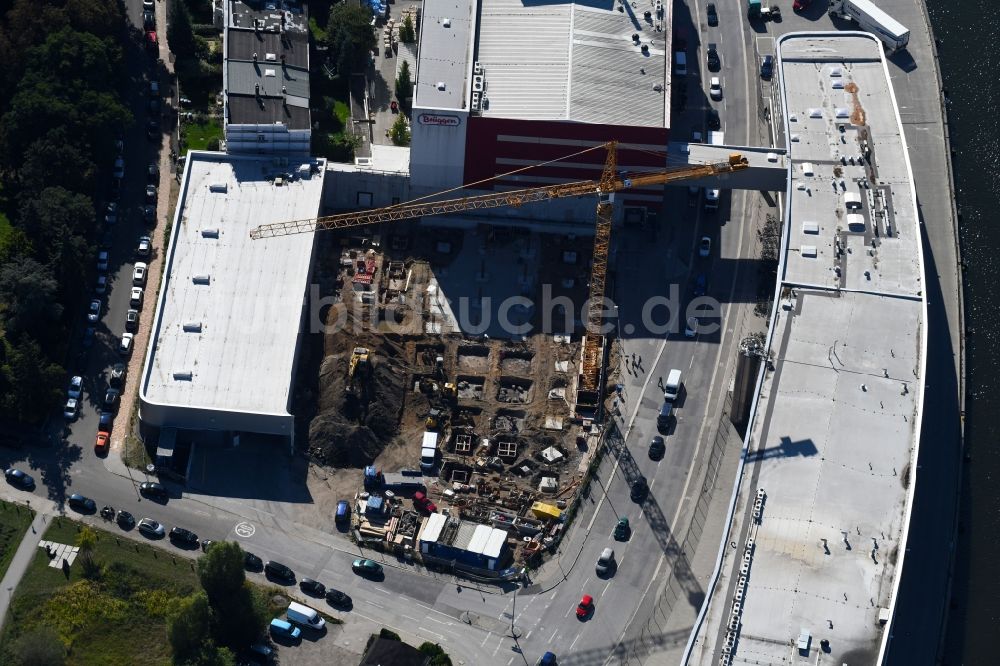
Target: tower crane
609 183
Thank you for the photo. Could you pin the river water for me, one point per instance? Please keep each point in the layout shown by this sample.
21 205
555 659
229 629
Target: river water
970 66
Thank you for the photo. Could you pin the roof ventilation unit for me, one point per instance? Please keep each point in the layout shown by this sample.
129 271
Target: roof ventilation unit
836 71
837 85
808 250
810 227
475 101
841 112
441 85
446 22
219 187
815 113
204 278
477 68
270 57
192 327
209 233
184 375
477 83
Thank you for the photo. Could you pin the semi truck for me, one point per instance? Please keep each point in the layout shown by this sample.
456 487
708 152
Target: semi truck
872 19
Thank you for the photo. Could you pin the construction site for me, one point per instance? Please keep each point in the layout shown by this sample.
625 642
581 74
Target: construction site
464 368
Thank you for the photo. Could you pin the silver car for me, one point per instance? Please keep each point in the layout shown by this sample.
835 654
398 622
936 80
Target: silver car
606 562
150 528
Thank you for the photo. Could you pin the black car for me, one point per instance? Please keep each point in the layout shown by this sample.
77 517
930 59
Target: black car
81 503
206 544
153 130
148 20
279 571
714 62
252 562
639 490
125 520
657 448
153 489
712 120
767 67
153 172
117 377
111 399
713 16
183 536
16 477
337 598
312 587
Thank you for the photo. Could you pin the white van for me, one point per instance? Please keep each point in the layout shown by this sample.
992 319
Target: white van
672 387
305 616
680 64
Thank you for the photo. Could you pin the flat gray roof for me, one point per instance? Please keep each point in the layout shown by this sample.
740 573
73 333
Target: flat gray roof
835 432
574 61
229 307
242 44
249 110
272 77
446 30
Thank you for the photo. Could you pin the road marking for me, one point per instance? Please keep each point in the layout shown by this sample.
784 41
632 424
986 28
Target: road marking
373 604
434 633
434 619
573 644
604 590
383 591
553 636
485 638
244 529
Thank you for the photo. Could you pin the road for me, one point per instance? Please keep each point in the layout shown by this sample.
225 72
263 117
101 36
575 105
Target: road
474 622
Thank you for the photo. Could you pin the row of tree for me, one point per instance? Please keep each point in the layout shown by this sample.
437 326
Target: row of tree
63 76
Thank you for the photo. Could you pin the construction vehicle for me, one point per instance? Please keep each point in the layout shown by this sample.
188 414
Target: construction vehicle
610 182
359 364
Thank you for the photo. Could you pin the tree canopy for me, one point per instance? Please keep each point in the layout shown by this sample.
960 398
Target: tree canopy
350 37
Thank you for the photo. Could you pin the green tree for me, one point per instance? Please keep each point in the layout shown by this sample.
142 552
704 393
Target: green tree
350 37
30 384
407 34
221 571
180 34
404 85
239 619
188 627
39 646
86 541
45 163
399 133
28 296
437 654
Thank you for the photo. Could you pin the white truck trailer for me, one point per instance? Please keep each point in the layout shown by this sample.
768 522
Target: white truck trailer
872 19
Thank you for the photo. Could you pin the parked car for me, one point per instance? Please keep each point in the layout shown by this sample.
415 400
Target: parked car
111 399
700 284
88 336
151 42
547 659
139 273
423 503
149 214
16 477
103 259
800 5
144 247
135 299
337 598
75 389
125 344
153 489
715 88
691 328
102 285
657 447
712 120
767 67
284 629
132 320
705 246
366 567
151 529
148 19
125 520
251 562
278 570
102 442
714 62
622 529
713 16
605 563
71 409
94 311
343 513
81 503
117 377
105 420
183 537
312 587
148 5
153 130
585 607
119 170
153 172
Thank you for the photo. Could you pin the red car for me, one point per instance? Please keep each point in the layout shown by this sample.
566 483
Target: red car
101 445
151 40
421 501
586 606
799 5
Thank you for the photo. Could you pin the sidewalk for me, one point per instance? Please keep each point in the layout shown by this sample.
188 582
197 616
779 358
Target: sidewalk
22 558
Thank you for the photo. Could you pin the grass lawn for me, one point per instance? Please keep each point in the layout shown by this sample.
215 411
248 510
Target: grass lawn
119 619
197 135
14 522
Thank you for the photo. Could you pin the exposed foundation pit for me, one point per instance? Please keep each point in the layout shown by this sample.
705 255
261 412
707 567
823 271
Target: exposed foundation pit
514 390
474 359
470 387
508 421
516 363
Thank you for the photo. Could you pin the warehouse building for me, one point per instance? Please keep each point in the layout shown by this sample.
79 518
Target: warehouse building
225 338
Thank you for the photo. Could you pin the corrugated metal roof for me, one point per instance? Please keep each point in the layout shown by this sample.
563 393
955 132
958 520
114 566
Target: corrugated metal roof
464 536
479 539
446 29
571 62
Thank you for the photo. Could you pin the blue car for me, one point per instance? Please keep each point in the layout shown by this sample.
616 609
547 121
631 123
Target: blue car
16 477
700 283
285 629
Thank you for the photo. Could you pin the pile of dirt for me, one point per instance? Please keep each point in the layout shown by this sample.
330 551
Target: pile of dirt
351 430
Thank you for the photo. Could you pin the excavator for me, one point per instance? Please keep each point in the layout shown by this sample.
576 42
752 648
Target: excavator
358 364
610 182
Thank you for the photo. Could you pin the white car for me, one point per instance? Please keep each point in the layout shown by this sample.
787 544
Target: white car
102 260
691 330
148 4
139 273
75 389
72 409
705 247
716 88
135 300
145 244
125 346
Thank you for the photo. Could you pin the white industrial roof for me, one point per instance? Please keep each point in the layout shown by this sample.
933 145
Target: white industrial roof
229 309
835 429
446 33
574 61
433 525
